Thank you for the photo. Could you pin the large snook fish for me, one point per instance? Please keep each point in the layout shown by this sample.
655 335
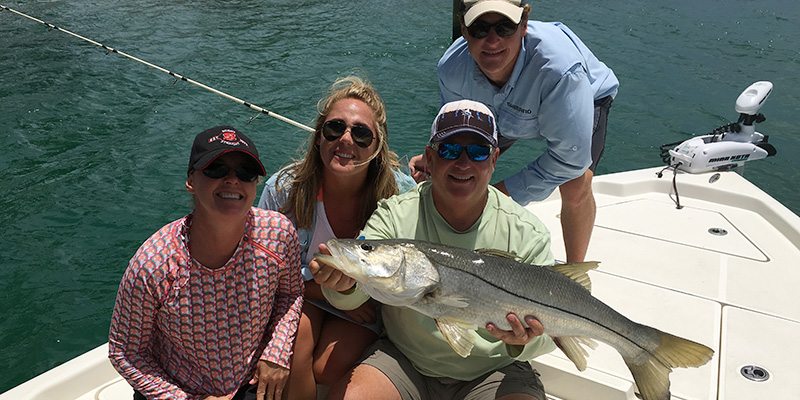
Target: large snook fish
463 290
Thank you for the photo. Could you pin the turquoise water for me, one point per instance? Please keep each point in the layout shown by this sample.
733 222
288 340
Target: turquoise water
94 147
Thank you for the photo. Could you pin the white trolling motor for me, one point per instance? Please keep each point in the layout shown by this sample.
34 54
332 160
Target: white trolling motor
728 146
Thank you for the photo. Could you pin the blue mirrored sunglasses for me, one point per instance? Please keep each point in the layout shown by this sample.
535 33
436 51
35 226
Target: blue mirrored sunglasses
452 151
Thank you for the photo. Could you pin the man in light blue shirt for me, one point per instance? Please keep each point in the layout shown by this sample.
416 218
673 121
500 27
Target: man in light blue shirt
541 81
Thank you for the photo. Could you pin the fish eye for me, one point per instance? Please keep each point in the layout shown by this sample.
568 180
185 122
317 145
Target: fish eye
367 247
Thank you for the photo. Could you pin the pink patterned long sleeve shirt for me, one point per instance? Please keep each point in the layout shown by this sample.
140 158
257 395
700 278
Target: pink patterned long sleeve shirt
182 331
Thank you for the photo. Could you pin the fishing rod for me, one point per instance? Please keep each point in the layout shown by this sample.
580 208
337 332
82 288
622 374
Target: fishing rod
170 73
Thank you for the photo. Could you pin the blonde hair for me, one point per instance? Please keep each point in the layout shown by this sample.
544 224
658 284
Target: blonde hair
306 174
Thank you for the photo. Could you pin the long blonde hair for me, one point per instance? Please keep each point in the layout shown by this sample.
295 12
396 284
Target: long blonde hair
306 174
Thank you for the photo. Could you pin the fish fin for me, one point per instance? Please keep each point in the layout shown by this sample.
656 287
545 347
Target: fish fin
498 253
453 301
574 348
457 336
652 379
578 272
652 374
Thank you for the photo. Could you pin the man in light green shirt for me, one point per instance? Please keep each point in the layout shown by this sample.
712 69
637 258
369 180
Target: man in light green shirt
456 207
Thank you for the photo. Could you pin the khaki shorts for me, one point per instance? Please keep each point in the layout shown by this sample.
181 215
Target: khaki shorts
517 378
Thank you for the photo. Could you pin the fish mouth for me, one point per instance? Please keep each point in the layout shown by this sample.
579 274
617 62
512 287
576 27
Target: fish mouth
337 259
327 260
335 249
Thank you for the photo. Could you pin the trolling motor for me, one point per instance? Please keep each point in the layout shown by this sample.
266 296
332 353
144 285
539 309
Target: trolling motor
728 146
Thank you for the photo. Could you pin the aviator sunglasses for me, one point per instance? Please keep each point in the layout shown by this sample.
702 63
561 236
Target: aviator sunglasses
480 29
219 171
335 128
452 151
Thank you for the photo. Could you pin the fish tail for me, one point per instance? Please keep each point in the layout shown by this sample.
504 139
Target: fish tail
651 373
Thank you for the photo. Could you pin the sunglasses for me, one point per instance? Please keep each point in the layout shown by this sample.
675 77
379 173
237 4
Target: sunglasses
219 171
452 151
335 128
480 29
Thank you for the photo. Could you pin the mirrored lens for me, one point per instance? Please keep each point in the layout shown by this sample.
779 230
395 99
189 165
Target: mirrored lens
449 151
334 129
478 152
452 151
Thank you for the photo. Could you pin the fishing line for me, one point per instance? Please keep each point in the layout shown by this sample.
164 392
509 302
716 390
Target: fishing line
170 73
185 79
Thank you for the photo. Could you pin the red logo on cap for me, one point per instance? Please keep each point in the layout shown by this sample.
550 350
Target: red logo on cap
229 136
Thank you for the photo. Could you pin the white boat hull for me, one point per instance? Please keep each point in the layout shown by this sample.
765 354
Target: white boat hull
662 266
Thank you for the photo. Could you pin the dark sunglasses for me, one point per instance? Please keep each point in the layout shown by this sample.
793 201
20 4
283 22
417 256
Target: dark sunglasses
452 151
335 128
480 29
219 171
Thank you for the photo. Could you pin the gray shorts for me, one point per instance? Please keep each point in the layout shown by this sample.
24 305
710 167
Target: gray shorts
599 125
517 378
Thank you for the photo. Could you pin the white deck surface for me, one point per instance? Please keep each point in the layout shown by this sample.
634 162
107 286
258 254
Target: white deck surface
660 266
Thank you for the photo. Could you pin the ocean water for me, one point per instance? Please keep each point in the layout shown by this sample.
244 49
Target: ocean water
93 147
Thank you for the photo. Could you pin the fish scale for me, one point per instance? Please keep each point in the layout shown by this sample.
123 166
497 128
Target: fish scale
498 286
462 290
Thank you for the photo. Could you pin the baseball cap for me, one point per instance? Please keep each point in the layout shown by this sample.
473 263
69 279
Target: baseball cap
464 116
475 8
214 142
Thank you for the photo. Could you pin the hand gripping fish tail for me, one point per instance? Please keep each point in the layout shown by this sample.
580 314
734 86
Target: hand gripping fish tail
462 290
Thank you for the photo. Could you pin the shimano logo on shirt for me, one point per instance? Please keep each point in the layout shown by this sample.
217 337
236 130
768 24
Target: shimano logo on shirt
518 108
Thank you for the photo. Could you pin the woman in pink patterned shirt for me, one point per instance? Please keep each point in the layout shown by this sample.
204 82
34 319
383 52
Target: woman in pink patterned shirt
210 304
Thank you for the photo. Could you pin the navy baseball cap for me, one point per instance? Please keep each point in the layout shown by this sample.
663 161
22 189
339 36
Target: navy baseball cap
464 116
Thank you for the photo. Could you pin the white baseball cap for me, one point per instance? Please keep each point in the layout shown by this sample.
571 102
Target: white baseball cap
475 8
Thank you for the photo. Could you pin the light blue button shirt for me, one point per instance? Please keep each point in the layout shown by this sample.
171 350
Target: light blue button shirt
550 94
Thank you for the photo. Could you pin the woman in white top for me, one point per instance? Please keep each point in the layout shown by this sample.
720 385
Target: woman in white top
330 193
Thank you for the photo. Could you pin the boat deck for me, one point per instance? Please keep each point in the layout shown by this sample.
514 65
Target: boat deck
718 271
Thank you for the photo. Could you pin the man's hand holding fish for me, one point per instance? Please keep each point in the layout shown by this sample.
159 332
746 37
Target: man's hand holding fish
328 276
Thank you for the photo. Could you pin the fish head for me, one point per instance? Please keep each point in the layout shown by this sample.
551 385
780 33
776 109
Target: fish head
392 272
